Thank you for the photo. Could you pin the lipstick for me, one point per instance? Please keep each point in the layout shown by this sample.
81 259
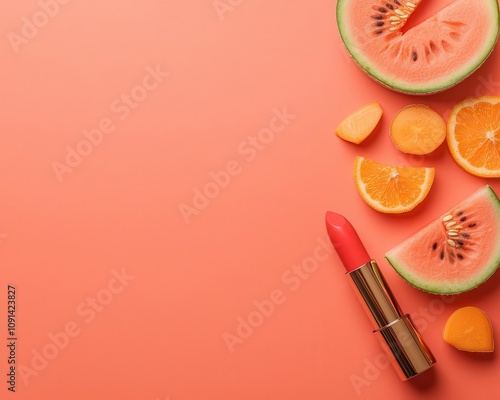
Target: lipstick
395 330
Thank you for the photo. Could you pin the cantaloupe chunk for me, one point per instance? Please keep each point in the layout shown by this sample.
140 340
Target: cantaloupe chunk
418 129
469 329
357 126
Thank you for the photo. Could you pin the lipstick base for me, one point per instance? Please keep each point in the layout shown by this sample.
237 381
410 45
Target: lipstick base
405 348
395 331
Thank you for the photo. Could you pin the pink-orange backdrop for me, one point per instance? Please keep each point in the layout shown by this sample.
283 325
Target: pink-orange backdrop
130 284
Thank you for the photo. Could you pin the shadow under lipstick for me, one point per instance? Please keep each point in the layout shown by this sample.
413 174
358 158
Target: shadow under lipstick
395 331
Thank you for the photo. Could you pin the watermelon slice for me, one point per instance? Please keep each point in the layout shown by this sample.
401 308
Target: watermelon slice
456 252
430 57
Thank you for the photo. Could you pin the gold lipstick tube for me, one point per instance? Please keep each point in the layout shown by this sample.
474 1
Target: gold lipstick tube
395 331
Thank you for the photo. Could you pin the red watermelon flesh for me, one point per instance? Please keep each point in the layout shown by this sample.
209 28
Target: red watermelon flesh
457 251
429 57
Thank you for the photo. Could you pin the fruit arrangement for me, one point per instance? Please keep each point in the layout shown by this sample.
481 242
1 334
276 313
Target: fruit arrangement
472 133
458 250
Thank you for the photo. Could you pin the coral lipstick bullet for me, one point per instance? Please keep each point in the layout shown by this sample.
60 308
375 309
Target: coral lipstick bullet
395 331
346 242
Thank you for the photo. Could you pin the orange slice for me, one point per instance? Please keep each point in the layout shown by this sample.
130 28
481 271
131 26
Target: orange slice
390 189
357 126
474 135
418 129
469 329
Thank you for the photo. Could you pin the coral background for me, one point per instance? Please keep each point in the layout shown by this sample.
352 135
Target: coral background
130 284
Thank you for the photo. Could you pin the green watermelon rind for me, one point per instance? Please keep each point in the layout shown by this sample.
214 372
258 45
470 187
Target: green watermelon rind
438 288
401 87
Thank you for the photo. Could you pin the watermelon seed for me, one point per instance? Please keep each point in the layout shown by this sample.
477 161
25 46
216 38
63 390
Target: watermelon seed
472 225
395 18
377 16
459 213
466 235
460 242
379 32
441 256
414 56
434 246
447 218
446 46
428 55
397 2
463 219
450 224
380 23
451 243
382 10
389 6
410 5
460 256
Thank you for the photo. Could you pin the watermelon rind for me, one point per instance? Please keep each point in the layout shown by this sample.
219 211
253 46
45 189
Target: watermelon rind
449 288
400 86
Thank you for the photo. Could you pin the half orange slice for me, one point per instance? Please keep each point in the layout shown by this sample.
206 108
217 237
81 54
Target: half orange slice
474 135
391 189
